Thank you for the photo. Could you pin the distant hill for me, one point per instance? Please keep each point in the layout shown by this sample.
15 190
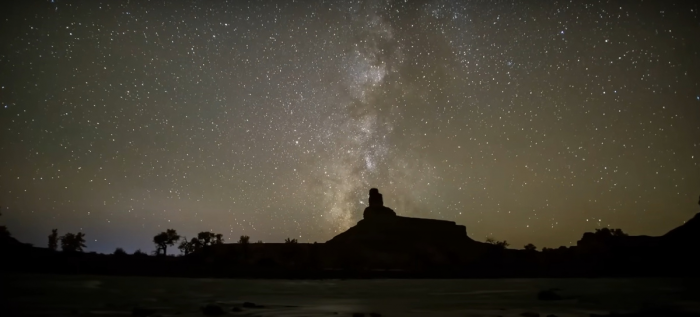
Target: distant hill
687 233
12 243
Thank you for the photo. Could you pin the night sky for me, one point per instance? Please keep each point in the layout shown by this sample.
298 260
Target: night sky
525 121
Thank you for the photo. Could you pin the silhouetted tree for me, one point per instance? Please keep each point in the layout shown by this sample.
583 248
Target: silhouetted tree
603 232
207 238
618 233
73 242
80 241
140 253
530 247
4 233
184 246
502 244
259 241
165 239
195 244
189 246
607 232
288 240
119 252
244 240
53 240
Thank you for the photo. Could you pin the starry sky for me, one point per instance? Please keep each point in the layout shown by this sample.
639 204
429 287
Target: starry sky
529 122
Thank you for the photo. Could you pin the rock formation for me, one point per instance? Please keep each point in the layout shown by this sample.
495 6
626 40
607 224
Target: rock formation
687 234
376 206
384 240
382 225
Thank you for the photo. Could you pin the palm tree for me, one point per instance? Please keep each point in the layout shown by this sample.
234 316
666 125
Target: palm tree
290 240
53 240
244 240
164 239
530 247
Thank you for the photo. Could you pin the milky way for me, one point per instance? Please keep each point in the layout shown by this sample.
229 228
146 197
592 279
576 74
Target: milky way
530 123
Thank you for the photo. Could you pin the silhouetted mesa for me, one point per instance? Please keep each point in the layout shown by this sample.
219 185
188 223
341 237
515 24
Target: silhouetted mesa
382 225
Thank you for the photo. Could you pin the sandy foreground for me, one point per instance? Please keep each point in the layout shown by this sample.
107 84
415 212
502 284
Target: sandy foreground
51 295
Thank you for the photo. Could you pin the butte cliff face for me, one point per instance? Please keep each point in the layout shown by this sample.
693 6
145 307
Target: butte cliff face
381 225
384 240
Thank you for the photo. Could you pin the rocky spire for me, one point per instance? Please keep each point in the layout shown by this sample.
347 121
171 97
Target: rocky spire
376 206
375 198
